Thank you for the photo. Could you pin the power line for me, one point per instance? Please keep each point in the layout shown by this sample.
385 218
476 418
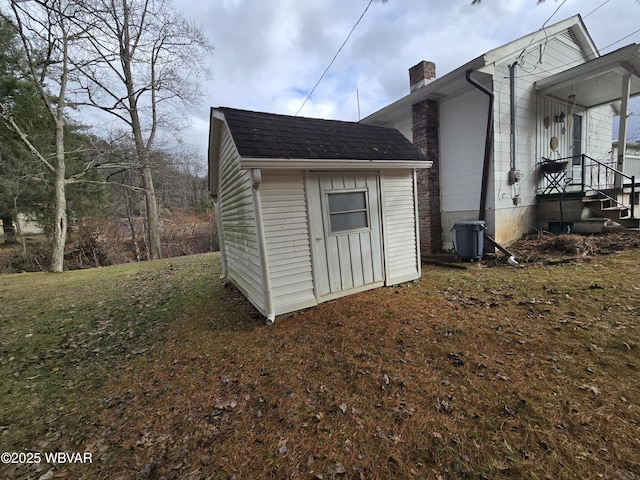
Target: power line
618 41
597 8
553 14
334 58
539 30
579 62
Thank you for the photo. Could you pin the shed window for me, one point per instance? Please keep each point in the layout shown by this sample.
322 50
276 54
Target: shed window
348 211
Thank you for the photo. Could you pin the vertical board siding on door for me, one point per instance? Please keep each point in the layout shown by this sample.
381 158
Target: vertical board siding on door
345 260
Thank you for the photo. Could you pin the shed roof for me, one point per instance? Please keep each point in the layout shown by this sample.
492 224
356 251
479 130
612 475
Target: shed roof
268 135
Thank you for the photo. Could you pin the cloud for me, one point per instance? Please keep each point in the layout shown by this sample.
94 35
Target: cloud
269 55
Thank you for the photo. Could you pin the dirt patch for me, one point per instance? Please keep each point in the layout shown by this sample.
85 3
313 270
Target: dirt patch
545 247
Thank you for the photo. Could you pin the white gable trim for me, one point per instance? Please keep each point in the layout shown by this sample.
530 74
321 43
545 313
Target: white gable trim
574 24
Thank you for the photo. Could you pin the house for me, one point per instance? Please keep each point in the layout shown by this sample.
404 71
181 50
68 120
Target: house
631 158
520 136
310 210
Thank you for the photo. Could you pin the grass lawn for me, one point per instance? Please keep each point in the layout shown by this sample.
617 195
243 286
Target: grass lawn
158 371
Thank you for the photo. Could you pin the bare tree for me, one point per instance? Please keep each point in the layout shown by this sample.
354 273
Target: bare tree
46 29
150 61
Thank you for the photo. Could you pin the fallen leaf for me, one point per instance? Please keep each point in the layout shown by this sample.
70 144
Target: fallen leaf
591 388
443 406
337 468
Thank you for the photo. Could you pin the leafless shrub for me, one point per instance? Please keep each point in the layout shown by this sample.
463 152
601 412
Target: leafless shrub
188 234
108 241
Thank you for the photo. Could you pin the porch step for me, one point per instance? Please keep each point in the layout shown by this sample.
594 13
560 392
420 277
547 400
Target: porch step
606 207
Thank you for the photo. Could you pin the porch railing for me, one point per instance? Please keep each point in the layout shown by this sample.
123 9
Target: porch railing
603 178
615 182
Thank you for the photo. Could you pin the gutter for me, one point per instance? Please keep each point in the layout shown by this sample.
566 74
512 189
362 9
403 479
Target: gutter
487 147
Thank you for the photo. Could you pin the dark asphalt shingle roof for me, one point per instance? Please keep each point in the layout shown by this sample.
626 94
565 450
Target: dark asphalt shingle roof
268 135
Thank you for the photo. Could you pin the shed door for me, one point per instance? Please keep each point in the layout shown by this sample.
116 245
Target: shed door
346 232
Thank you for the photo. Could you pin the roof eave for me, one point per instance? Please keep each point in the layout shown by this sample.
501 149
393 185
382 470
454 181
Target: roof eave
431 91
330 164
620 62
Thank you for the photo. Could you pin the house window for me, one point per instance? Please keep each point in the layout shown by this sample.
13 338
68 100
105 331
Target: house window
348 211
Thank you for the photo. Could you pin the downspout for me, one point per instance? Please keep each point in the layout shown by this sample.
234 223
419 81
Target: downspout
487 147
256 179
487 164
512 114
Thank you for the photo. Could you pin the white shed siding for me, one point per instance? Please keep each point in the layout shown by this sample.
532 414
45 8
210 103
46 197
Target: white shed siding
237 218
399 210
284 211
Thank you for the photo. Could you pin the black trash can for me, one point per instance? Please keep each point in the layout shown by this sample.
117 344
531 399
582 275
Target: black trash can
469 239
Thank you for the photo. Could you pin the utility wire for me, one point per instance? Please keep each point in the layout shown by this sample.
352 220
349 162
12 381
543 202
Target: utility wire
334 58
579 62
539 30
623 38
597 8
553 14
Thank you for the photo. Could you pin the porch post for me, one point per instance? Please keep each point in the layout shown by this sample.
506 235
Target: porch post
622 131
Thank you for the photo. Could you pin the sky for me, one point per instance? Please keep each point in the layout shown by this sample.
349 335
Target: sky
269 54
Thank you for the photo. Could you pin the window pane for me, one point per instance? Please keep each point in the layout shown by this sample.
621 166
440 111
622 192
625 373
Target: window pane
348 201
341 222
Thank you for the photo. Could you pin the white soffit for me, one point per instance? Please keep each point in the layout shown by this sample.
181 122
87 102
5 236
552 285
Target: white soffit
596 82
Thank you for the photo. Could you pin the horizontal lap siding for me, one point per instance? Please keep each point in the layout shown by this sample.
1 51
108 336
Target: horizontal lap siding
463 121
237 216
284 211
400 227
532 139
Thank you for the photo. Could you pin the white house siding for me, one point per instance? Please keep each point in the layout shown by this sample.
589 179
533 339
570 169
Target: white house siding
559 54
532 137
237 217
599 133
284 213
631 166
399 214
405 127
463 123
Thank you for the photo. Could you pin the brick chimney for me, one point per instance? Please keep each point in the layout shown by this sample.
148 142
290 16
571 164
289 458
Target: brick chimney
425 119
421 74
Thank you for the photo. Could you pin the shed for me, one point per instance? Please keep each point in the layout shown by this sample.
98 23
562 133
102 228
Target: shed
310 210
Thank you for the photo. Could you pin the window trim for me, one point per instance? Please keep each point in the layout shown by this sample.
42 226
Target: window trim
366 209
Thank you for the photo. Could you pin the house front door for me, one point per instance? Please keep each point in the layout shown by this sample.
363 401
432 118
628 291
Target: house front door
346 232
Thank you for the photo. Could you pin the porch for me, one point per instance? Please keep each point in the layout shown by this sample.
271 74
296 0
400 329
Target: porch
604 187
600 197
